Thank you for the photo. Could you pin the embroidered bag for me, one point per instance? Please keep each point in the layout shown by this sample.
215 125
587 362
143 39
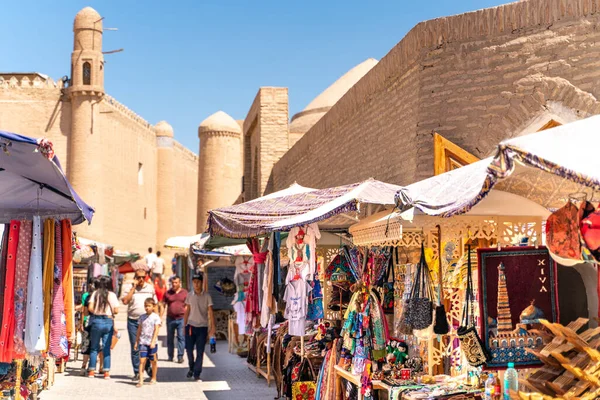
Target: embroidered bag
304 386
441 319
420 306
470 342
388 287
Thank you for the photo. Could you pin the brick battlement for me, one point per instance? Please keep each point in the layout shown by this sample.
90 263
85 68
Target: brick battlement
25 82
187 152
123 109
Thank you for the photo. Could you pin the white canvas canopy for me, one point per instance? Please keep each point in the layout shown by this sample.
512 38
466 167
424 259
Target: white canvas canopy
544 167
184 242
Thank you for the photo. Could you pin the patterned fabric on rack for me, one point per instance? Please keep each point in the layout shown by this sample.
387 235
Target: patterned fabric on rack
7 334
48 280
35 336
59 346
3 265
21 275
67 270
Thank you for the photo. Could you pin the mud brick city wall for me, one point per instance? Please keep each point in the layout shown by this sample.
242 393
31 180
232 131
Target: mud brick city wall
126 211
475 78
35 109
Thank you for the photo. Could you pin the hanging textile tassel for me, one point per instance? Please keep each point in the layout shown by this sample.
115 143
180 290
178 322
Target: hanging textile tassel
48 275
67 271
21 276
35 335
7 334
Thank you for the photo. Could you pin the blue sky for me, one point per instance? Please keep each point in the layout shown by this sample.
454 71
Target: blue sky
185 60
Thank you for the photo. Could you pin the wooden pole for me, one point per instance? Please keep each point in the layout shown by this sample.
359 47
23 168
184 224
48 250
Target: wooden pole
18 379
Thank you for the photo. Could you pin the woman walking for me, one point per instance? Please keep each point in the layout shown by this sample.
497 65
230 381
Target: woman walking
160 288
104 305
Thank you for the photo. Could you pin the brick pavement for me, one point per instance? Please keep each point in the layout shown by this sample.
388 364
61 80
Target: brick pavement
225 376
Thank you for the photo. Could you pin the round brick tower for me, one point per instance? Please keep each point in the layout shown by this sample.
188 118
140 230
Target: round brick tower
86 90
165 182
220 167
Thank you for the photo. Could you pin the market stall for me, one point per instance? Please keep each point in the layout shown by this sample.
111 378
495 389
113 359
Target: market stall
461 279
37 209
295 330
500 237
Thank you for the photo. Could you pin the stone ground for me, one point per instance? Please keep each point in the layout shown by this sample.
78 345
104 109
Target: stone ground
225 376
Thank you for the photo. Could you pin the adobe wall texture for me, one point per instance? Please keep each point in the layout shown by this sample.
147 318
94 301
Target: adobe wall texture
266 138
129 216
185 175
36 112
475 78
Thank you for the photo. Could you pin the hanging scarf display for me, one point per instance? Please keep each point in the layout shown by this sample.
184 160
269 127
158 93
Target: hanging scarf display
326 379
48 274
21 276
58 328
276 264
252 301
67 271
5 235
365 333
35 336
242 280
7 334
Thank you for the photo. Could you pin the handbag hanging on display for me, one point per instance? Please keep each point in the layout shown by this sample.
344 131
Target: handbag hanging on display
470 341
304 384
441 319
420 306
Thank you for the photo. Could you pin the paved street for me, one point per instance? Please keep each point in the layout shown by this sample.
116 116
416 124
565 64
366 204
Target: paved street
225 376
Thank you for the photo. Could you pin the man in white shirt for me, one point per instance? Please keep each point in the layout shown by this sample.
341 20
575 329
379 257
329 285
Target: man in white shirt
199 322
150 259
134 298
159 267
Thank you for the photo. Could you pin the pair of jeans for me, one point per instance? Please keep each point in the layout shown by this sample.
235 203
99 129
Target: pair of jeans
195 338
175 325
101 329
132 328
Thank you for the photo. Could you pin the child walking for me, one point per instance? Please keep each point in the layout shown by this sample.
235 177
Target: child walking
147 336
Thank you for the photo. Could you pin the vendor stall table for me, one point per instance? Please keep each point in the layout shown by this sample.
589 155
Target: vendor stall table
354 379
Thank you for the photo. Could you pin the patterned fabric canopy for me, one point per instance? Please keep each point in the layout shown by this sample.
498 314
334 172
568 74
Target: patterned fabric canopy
282 213
545 167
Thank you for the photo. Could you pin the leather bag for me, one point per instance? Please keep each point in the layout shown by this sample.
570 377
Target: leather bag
471 344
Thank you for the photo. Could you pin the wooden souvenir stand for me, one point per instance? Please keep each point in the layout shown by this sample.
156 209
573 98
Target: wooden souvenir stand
389 229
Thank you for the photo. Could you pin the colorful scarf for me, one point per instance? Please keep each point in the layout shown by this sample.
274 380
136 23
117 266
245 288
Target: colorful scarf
35 336
7 334
59 346
5 235
67 271
21 276
48 274
326 379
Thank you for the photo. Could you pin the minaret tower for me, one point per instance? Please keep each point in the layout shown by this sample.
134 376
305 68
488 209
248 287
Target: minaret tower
86 90
219 164
504 317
